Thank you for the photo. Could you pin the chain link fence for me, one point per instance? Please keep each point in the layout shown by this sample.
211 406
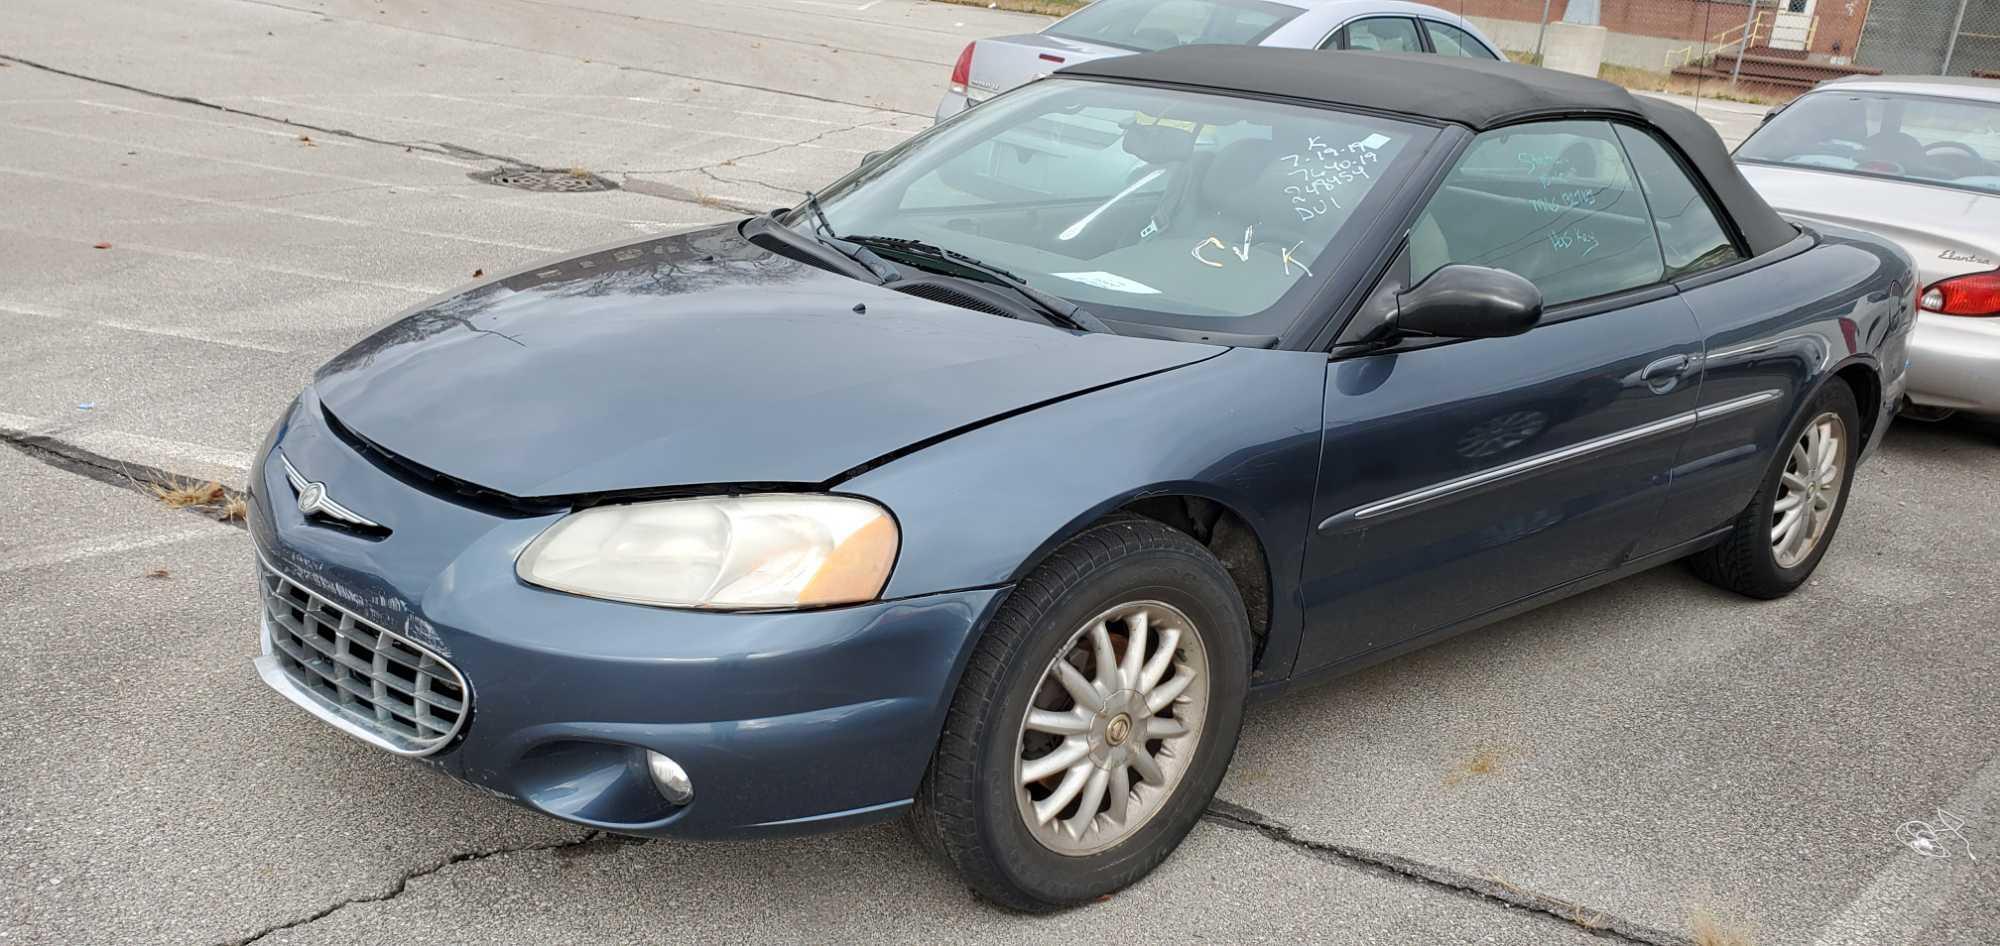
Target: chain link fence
1760 50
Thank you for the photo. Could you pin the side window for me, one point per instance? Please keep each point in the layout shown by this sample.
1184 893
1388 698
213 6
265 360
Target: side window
1690 235
1383 34
1182 20
1555 202
1449 40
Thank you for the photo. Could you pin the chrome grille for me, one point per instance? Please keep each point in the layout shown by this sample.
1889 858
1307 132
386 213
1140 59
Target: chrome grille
365 679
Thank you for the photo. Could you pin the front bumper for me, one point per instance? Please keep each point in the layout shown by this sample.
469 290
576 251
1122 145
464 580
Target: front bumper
1955 362
785 722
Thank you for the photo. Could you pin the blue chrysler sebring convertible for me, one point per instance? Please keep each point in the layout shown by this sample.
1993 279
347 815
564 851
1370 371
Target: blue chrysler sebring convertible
987 486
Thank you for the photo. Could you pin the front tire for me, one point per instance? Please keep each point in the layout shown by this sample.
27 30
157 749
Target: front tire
1776 543
1094 720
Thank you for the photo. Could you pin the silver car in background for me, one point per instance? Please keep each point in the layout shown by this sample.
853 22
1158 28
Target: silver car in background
1109 28
1916 160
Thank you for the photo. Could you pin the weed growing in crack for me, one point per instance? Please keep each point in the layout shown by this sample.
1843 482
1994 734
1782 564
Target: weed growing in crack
182 494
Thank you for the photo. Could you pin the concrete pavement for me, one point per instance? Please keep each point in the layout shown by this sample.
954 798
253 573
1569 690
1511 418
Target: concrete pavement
275 178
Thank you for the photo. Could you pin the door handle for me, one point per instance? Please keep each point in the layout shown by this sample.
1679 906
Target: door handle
1664 374
1672 364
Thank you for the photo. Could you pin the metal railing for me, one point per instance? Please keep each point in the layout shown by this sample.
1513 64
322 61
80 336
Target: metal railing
1741 38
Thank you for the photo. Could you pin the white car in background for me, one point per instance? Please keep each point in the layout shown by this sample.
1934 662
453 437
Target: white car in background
1915 159
1109 28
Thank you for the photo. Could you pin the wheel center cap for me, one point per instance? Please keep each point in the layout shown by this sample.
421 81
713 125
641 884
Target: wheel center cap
1118 730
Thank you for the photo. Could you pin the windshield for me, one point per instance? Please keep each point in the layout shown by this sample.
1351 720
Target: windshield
1914 138
1141 204
1158 24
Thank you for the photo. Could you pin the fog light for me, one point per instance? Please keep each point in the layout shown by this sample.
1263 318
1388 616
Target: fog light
670 778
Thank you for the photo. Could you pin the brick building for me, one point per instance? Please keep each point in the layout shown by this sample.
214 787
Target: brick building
1643 33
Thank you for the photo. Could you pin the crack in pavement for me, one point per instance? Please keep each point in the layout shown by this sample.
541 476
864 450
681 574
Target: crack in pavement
402 882
767 185
666 191
706 168
440 148
788 93
137 477
1600 923
450 150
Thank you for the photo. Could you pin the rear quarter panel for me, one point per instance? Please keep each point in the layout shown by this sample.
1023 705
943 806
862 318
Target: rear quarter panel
1790 326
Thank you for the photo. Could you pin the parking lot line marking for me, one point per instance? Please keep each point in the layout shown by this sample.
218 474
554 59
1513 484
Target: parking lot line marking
404 120
38 312
1907 893
65 553
838 6
235 262
322 141
276 211
787 142
346 178
233 126
138 448
887 114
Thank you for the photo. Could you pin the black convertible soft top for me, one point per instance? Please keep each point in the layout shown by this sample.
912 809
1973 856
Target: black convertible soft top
1477 93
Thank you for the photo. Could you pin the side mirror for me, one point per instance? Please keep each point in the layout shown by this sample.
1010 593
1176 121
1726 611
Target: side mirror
1461 301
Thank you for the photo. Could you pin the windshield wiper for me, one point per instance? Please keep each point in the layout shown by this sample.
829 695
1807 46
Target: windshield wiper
1056 309
823 232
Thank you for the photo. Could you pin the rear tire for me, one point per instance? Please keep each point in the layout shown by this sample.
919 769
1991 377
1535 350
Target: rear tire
1124 580
1775 544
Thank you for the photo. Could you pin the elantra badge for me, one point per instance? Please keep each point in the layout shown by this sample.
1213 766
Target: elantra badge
313 500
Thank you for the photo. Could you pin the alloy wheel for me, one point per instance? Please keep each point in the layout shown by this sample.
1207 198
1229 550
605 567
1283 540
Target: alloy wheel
1113 724
1809 490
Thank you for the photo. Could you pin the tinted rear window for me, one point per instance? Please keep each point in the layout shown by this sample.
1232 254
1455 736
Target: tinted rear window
1160 24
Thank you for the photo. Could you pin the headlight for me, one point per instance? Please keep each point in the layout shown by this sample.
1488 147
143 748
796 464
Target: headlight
733 552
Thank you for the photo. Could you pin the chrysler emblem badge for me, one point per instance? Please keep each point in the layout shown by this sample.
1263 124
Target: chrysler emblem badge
313 500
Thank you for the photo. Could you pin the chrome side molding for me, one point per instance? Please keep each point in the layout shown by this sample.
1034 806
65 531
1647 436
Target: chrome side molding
1403 502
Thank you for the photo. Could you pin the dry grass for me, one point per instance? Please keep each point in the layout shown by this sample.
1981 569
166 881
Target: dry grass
1485 761
182 495
580 172
713 202
1048 7
158 573
1587 918
1712 930
1646 80
234 510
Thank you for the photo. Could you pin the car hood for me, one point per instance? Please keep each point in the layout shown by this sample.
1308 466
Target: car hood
698 358
1945 230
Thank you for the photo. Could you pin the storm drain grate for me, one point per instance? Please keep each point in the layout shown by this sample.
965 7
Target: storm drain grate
573 181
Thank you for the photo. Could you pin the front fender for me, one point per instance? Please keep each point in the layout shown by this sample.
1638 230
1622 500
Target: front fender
1242 429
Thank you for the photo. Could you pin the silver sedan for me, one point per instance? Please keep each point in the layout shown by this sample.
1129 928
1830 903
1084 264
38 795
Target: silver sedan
1917 160
1109 28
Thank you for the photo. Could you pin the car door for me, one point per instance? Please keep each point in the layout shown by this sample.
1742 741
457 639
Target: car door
1753 357
1458 477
